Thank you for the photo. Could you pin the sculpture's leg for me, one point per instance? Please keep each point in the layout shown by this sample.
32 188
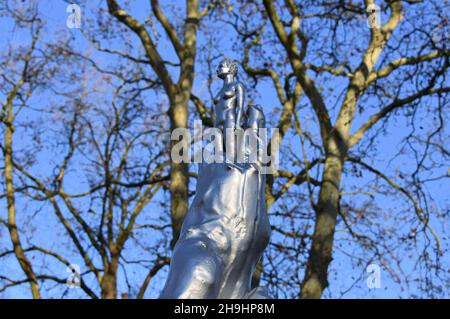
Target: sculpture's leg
229 136
195 271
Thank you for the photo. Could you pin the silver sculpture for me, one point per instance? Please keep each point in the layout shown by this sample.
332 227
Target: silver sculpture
226 229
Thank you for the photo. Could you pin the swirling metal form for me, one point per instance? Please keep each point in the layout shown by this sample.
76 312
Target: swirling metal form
227 228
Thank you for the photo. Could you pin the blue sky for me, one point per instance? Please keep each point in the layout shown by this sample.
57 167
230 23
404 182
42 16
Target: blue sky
350 278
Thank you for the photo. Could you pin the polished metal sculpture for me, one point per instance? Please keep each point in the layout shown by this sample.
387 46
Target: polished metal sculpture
226 229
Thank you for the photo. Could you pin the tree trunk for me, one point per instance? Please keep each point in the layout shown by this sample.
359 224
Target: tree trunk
109 280
179 173
327 208
10 198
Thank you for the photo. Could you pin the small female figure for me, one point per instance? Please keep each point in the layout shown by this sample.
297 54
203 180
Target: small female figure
229 105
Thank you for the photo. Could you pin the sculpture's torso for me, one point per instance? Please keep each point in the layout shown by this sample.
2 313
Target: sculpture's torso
225 104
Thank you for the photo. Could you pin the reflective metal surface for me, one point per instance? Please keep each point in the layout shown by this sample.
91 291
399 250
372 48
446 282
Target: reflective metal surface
226 229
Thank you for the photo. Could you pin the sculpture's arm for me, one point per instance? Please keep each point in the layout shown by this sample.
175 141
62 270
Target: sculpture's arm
240 96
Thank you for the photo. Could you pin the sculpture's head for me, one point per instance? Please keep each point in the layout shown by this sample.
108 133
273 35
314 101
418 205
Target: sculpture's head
226 67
